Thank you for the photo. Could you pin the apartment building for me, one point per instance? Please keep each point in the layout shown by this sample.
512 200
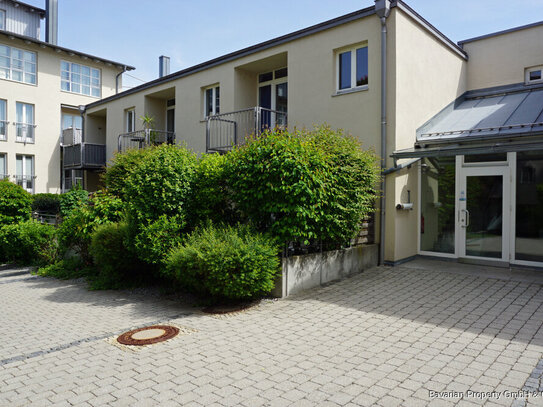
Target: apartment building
42 86
458 126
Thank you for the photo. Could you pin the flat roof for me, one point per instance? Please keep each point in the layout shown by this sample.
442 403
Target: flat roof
58 48
510 30
365 12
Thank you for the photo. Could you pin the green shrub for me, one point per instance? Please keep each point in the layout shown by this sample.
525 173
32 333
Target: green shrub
49 203
153 241
15 203
66 269
73 199
120 167
28 243
209 198
226 262
108 249
305 185
160 183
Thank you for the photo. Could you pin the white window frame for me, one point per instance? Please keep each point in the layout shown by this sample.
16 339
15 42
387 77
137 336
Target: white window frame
529 71
2 19
4 136
273 82
4 170
25 178
214 109
27 136
130 120
69 81
28 65
352 49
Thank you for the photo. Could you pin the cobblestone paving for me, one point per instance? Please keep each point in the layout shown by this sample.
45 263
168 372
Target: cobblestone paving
386 337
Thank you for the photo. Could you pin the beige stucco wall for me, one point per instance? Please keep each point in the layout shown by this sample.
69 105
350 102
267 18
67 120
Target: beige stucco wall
47 99
502 59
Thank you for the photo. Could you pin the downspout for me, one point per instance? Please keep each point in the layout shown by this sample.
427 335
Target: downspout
382 9
117 78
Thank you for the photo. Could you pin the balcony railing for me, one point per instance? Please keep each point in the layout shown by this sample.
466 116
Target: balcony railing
144 138
84 156
24 132
4 129
25 181
71 136
225 130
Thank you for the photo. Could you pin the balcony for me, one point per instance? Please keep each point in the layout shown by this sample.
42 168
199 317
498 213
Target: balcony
71 136
84 156
144 138
225 130
24 132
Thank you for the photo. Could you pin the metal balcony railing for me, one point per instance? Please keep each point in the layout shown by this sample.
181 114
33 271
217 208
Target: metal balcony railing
4 129
25 181
225 130
24 132
71 136
84 156
144 138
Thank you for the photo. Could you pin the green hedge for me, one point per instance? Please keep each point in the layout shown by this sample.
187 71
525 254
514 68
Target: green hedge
28 243
15 203
231 262
49 203
72 200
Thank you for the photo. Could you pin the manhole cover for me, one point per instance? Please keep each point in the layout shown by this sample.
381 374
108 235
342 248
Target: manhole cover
148 335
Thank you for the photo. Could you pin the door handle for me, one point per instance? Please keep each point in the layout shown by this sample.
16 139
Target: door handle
466 219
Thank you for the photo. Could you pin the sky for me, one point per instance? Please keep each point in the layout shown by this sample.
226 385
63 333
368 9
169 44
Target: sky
137 32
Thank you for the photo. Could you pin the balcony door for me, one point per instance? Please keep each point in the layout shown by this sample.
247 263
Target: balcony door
273 98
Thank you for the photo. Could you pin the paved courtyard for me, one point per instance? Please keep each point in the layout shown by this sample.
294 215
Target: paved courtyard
425 333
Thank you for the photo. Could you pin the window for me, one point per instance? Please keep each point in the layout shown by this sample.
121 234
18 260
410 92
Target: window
71 128
352 68
17 65
25 123
273 98
2 19
212 101
130 120
3 166
25 172
3 121
81 79
534 75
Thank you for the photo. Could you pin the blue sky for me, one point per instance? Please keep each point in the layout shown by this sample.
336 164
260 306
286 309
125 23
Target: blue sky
137 32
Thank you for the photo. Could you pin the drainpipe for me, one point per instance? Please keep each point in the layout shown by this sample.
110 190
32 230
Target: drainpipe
382 9
117 78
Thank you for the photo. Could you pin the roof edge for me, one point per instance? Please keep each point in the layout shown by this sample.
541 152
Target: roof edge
44 44
32 8
495 34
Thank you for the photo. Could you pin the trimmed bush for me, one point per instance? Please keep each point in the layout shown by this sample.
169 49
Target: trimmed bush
48 203
120 167
15 203
28 243
304 185
231 262
73 199
108 249
154 240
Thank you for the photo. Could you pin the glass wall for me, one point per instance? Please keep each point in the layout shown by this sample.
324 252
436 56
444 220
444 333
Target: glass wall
437 205
529 209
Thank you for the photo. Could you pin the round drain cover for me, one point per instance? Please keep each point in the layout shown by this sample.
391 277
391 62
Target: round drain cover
148 335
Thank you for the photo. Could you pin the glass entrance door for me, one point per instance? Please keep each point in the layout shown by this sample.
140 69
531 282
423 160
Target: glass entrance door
483 213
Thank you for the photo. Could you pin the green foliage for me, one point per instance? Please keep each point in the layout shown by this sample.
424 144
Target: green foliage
48 203
15 203
160 183
304 185
66 269
154 240
75 231
72 200
209 199
109 252
28 243
120 167
225 262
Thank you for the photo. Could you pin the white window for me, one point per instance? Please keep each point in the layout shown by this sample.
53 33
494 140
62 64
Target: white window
2 19
71 128
81 79
3 166
130 119
25 123
534 75
3 121
25 172
352 68
212 98
17 65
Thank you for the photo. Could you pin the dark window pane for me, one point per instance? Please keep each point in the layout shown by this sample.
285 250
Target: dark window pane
529 212
345 70
362 66
535 75
209 102
485 158
281 73
170 102
217 100
437 205
265 77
